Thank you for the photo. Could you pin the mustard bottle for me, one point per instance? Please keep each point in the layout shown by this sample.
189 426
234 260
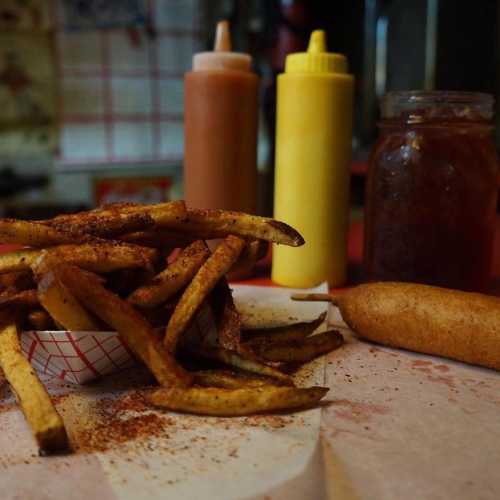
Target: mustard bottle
313 157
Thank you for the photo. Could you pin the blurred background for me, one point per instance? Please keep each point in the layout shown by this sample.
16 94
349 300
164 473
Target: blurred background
91 91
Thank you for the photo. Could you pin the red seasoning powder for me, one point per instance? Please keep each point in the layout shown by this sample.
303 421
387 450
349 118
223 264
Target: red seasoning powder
109 422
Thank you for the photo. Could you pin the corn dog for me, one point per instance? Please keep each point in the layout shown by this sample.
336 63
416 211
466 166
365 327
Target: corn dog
449 323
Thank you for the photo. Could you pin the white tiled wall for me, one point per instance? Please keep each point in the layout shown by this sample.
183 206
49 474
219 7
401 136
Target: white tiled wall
131 96
80 51
85 141
172 139
175 58
135 141
171 95
122 96
176 14
82 97
126 57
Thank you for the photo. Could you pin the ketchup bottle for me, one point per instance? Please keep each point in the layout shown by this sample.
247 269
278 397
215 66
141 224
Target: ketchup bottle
220 128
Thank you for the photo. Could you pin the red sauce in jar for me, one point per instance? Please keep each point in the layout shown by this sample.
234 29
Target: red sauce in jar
432 191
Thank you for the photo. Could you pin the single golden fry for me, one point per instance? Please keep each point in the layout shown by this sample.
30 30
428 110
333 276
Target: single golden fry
18 261
242 362
211 224
227 318
46 424
203 282
103 257
113 220
98 257
25 298
300 351
312 297
62 305
236 402
161 213
40 320
110 224
175 277
127 321
286 333
251 254
34 234
18 281
232 380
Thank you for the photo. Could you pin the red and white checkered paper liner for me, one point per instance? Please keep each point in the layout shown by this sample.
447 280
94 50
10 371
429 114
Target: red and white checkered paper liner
80 357
77 357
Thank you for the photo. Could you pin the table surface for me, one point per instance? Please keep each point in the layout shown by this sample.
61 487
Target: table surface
403 425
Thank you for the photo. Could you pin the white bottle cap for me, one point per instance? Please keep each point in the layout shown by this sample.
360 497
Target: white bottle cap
222 58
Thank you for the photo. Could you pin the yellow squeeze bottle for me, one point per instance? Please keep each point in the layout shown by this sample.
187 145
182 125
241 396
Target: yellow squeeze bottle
313 157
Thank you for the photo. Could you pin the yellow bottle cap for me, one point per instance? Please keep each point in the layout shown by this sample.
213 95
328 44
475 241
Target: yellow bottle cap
316 59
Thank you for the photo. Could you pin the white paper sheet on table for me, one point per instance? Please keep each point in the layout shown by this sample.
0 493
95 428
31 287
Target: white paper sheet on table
199 458
404 425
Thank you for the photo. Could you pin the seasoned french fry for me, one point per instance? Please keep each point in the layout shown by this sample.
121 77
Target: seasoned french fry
105 257
175 277
102 257
26 298
242 362
62 305
127 321
211 224
300 351
116 219
35 234
161 213
40 320
312 297
46 424
203 282
110 224
232 380
251 254
20 260
236 402
18 280
227 318
286 333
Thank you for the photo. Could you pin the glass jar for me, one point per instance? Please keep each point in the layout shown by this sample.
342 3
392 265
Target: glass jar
431 191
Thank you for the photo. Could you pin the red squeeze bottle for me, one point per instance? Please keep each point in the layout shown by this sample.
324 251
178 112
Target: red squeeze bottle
220 128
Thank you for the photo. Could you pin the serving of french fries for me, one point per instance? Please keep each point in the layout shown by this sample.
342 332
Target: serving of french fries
145 272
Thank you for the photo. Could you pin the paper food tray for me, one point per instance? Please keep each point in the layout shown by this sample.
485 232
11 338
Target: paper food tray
80 357
76 357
